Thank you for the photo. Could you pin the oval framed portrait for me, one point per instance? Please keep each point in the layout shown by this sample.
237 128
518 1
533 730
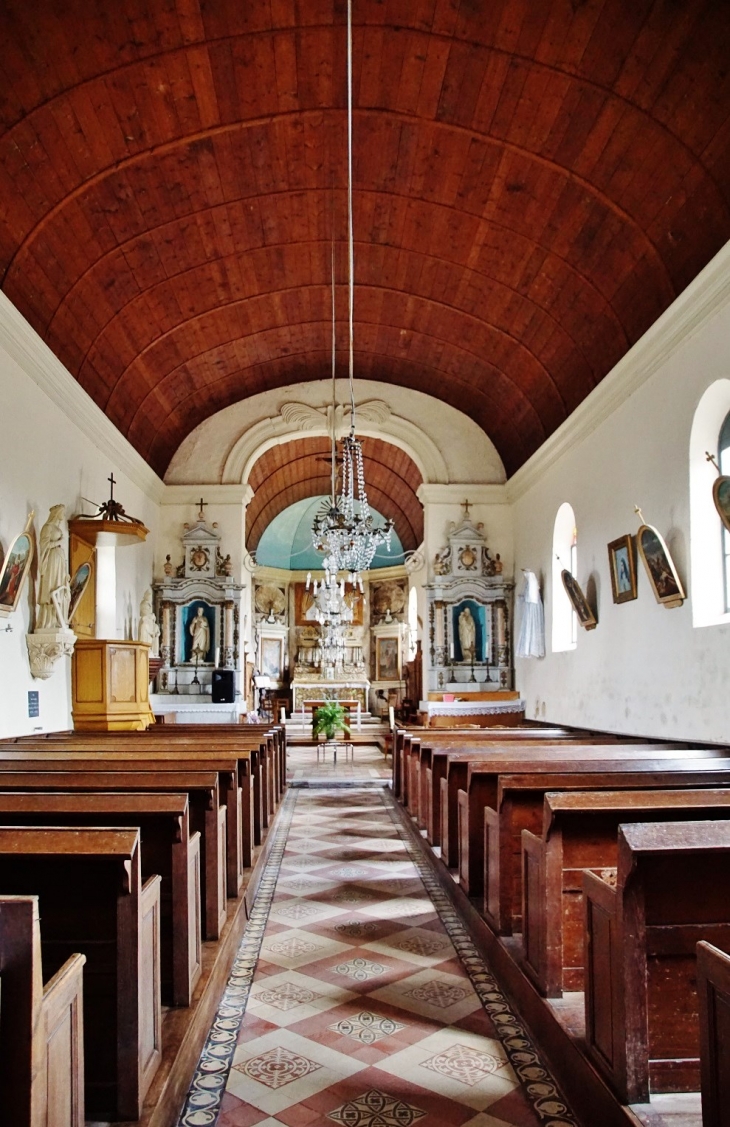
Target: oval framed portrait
721 497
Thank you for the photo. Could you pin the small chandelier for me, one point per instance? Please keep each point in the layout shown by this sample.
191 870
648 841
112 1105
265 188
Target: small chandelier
344 530
334 614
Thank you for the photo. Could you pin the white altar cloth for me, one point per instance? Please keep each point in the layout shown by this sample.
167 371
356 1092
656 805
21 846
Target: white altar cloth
470 708
196 710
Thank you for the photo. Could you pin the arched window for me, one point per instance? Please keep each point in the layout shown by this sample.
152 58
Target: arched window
565 555
709 542
723 460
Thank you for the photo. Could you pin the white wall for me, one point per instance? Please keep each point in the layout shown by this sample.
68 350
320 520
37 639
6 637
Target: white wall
46 459
644 669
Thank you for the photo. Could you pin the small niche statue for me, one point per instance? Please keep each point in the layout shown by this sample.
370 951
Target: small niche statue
200 632
467 635
54 591
149 631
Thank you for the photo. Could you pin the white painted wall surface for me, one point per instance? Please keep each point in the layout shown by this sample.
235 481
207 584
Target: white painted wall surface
47 459
644 669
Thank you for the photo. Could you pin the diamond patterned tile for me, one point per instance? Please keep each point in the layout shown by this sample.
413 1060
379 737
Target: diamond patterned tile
367 1028
295 948
416 945
290 996
377 1109
437 995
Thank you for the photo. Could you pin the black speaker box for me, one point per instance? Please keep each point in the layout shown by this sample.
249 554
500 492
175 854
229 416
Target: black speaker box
224 686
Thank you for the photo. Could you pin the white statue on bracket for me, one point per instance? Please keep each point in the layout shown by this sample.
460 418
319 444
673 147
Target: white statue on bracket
149 631
52 637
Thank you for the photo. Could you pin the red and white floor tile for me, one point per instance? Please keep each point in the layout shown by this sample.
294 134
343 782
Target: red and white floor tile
360 1012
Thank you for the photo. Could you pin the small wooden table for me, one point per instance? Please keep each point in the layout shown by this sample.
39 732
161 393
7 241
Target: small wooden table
335 746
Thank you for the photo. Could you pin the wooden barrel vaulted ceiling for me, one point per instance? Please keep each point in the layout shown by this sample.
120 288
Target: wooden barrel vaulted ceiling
535 182
295 470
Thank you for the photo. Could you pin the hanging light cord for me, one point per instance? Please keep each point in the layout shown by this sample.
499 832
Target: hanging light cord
350 238
333 451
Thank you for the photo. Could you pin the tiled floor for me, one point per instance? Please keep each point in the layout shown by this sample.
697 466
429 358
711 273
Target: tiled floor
360 1011
368 762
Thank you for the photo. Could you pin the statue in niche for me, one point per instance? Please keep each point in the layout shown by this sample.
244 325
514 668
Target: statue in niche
200 632
149 631
55 583
467 635
442 563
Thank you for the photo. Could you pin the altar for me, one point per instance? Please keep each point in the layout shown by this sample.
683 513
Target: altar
186 709
482 710
304 690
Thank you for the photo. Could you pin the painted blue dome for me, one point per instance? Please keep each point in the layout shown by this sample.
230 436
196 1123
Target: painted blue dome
287 542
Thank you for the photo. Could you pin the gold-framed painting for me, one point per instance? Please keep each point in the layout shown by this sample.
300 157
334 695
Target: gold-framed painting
387 659
578 601
15 568
721 497
622 563
663 577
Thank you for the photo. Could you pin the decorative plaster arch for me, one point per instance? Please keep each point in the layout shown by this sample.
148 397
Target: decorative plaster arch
375 420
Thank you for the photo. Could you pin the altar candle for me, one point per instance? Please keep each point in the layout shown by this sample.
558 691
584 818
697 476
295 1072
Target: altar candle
218 657
451 651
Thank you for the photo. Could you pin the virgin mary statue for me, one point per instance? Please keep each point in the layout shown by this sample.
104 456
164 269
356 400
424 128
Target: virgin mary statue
467 635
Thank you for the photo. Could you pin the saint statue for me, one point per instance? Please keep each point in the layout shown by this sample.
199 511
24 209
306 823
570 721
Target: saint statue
54 591
200 632
467 635
149 631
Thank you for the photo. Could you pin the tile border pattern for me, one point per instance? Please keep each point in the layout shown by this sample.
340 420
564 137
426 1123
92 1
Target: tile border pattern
536 1080
203 1102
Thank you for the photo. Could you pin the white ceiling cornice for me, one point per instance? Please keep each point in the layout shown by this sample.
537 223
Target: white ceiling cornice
705 296
23 344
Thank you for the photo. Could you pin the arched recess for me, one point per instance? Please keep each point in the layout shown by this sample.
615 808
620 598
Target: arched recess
565 555
706 544
293 470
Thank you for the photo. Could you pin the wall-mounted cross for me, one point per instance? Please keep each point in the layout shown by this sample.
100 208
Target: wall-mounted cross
203 505
466 505
111 480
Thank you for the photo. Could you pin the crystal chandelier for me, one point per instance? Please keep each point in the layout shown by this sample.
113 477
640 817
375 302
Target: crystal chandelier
344 530
334 614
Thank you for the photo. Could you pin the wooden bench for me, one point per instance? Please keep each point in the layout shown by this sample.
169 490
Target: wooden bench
468 803
519 802
91 900
167 848
642 1020
207 816
41 1027
227 768
580 831
713 991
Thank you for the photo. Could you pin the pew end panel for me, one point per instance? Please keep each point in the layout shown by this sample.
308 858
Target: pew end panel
63 1029
149 1052
534 938
604 1009
713 989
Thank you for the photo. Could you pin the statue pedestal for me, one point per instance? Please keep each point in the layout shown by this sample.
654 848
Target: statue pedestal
110 686
45 647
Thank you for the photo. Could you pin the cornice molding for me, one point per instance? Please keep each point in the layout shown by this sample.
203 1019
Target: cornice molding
703 298
22 343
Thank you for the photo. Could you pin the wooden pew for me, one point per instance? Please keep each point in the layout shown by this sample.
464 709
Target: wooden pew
518 804
41 1027
167 848
469 800
580 831
713 991
92 900
207 816
227 768
642 1021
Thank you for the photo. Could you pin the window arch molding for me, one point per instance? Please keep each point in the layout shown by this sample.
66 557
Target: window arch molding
565 555
707 579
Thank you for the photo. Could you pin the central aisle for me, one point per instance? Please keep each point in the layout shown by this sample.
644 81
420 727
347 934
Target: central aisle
360 1012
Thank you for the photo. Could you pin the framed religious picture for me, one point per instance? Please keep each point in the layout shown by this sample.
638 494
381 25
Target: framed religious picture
387 659
623 569
303 601
721 497
79 583
272 658
15 568
665 582
586 617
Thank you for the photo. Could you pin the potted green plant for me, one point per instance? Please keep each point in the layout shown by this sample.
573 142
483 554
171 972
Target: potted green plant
329 718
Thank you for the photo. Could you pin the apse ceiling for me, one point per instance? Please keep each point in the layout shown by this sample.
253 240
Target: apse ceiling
295 470
535 182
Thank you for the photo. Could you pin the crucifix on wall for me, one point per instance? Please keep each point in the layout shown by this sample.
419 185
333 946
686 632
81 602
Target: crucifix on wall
202 505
